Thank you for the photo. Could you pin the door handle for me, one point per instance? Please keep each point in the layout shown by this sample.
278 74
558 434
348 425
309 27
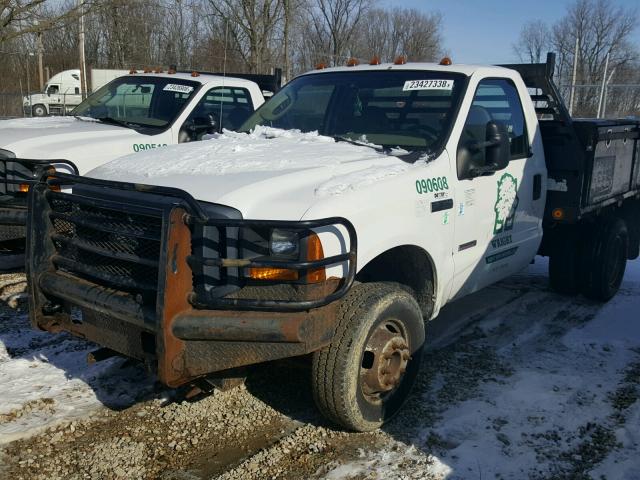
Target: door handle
537 186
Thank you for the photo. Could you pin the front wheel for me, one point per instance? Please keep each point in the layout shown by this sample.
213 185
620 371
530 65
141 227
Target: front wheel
363 377
39 110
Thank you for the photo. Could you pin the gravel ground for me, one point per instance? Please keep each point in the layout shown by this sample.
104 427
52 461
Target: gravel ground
268 428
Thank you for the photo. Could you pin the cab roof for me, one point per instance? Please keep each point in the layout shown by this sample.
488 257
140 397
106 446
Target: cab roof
467 70
202 78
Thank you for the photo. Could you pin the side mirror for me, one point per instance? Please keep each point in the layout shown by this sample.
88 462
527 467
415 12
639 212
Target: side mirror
498 151
478 158
198 124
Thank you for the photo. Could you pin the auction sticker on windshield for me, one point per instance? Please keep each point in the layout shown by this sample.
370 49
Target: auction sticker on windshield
173 87
428 85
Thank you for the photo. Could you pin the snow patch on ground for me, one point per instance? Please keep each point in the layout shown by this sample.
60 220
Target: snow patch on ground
46 378
389 463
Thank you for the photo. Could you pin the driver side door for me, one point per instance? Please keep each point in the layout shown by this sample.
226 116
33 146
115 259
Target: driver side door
495 229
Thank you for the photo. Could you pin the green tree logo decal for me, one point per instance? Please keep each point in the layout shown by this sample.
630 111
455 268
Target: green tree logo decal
506 204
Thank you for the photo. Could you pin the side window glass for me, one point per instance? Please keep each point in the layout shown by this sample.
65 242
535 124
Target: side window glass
53 89
220 108
497 101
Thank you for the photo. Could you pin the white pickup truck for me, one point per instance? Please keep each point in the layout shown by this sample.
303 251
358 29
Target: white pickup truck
359 202
133 113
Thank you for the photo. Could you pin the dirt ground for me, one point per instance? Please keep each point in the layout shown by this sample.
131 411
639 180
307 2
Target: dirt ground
518 382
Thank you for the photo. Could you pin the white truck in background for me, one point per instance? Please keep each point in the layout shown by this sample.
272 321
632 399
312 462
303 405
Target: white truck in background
63 92
133 113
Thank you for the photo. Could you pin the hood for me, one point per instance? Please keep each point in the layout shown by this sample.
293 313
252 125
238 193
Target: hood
86 142
269 173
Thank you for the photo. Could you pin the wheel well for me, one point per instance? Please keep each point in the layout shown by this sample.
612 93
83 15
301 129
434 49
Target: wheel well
408 265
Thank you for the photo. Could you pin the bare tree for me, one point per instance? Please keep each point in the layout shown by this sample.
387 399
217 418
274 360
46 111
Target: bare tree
400 31
333 26
534 42
19 17
602 29
252 25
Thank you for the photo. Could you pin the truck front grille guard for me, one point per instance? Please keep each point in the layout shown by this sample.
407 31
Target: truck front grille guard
196 215
38 168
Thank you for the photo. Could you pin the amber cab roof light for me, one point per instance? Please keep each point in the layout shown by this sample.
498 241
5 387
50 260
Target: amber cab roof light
352 62
400 60
446 61
375 60
321 66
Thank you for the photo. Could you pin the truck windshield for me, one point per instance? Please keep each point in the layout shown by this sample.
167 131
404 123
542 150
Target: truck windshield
138 101
407 109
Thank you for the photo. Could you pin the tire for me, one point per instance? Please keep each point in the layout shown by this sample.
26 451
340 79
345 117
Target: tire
605 260
358 379
39 110
564 265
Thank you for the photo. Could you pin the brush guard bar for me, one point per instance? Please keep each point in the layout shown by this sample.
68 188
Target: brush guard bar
195 214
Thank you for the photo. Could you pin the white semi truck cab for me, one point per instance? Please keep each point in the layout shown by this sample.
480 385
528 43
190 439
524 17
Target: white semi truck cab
63 92
357 203
131 114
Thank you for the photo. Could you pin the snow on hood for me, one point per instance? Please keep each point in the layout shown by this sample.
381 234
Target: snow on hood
83 140
264 171
41 122
265 149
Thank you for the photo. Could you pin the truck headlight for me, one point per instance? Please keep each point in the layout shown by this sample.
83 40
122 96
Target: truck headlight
284 243
288 243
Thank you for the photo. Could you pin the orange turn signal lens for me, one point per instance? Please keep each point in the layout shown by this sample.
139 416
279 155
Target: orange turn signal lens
557 214
273 274
314 252
23 188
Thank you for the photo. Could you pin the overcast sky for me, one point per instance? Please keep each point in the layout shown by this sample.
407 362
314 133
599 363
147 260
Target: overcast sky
483 31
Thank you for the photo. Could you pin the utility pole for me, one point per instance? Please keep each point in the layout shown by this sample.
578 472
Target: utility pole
576 52
40 49
83 63
286 40
606 92
604 86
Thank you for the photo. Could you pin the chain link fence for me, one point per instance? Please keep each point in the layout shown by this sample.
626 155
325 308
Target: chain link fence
11 105
38 105
618 100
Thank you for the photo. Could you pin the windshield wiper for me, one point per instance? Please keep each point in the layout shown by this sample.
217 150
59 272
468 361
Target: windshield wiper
342 138
84 119
411 156
115 121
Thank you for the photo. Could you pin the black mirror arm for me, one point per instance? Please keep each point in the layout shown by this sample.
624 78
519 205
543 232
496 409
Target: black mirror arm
482 171
494 142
